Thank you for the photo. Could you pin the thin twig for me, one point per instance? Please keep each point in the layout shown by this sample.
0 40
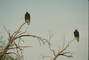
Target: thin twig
15 33
63 41
5 29
45 57
60 53
15 54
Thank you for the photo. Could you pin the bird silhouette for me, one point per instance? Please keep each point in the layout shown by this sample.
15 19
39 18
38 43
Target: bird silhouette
27 18
76 35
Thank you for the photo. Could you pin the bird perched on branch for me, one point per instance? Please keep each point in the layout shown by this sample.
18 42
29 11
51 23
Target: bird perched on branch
76 35
27 18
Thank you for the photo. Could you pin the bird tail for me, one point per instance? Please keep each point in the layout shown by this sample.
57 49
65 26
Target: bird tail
77 38
28 22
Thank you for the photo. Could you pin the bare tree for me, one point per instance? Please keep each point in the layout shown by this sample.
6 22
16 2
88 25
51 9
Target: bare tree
60 52
18 34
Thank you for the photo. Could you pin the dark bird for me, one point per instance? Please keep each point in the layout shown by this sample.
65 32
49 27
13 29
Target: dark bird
27 18
76 35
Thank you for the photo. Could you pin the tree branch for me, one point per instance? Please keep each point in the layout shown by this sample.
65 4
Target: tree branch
17 35
15 54
61 52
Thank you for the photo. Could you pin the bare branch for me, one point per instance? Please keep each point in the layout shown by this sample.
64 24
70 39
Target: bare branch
16 32
52 50
8 32
50 36
5 29
60 53
34 36
63 41
45 57
20 47
67 54
66 46
21 39
58 49
15 54
23 32
17 35
40 42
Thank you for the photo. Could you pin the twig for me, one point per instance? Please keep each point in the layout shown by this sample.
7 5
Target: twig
60 53
15 33
45 57
8 32
63 41
15 54
5 29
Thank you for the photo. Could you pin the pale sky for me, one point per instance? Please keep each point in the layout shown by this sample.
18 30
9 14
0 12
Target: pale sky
61 17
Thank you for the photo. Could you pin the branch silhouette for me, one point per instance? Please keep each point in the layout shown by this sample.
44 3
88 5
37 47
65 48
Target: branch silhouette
60 52
18 34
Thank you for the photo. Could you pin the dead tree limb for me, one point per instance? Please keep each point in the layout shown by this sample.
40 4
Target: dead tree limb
17 36
60 52
64 53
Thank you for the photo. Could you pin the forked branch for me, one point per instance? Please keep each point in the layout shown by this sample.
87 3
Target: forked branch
17 36
60 52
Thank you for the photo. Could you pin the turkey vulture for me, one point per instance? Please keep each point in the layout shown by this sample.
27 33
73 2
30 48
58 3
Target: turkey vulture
27 18
76 35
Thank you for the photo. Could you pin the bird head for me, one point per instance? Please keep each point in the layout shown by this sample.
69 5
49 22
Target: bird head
75 29
26 12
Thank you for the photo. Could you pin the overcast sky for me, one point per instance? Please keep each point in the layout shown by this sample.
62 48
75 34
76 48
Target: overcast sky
61 17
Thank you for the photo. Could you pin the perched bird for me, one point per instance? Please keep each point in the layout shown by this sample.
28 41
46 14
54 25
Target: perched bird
76 35
27 18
